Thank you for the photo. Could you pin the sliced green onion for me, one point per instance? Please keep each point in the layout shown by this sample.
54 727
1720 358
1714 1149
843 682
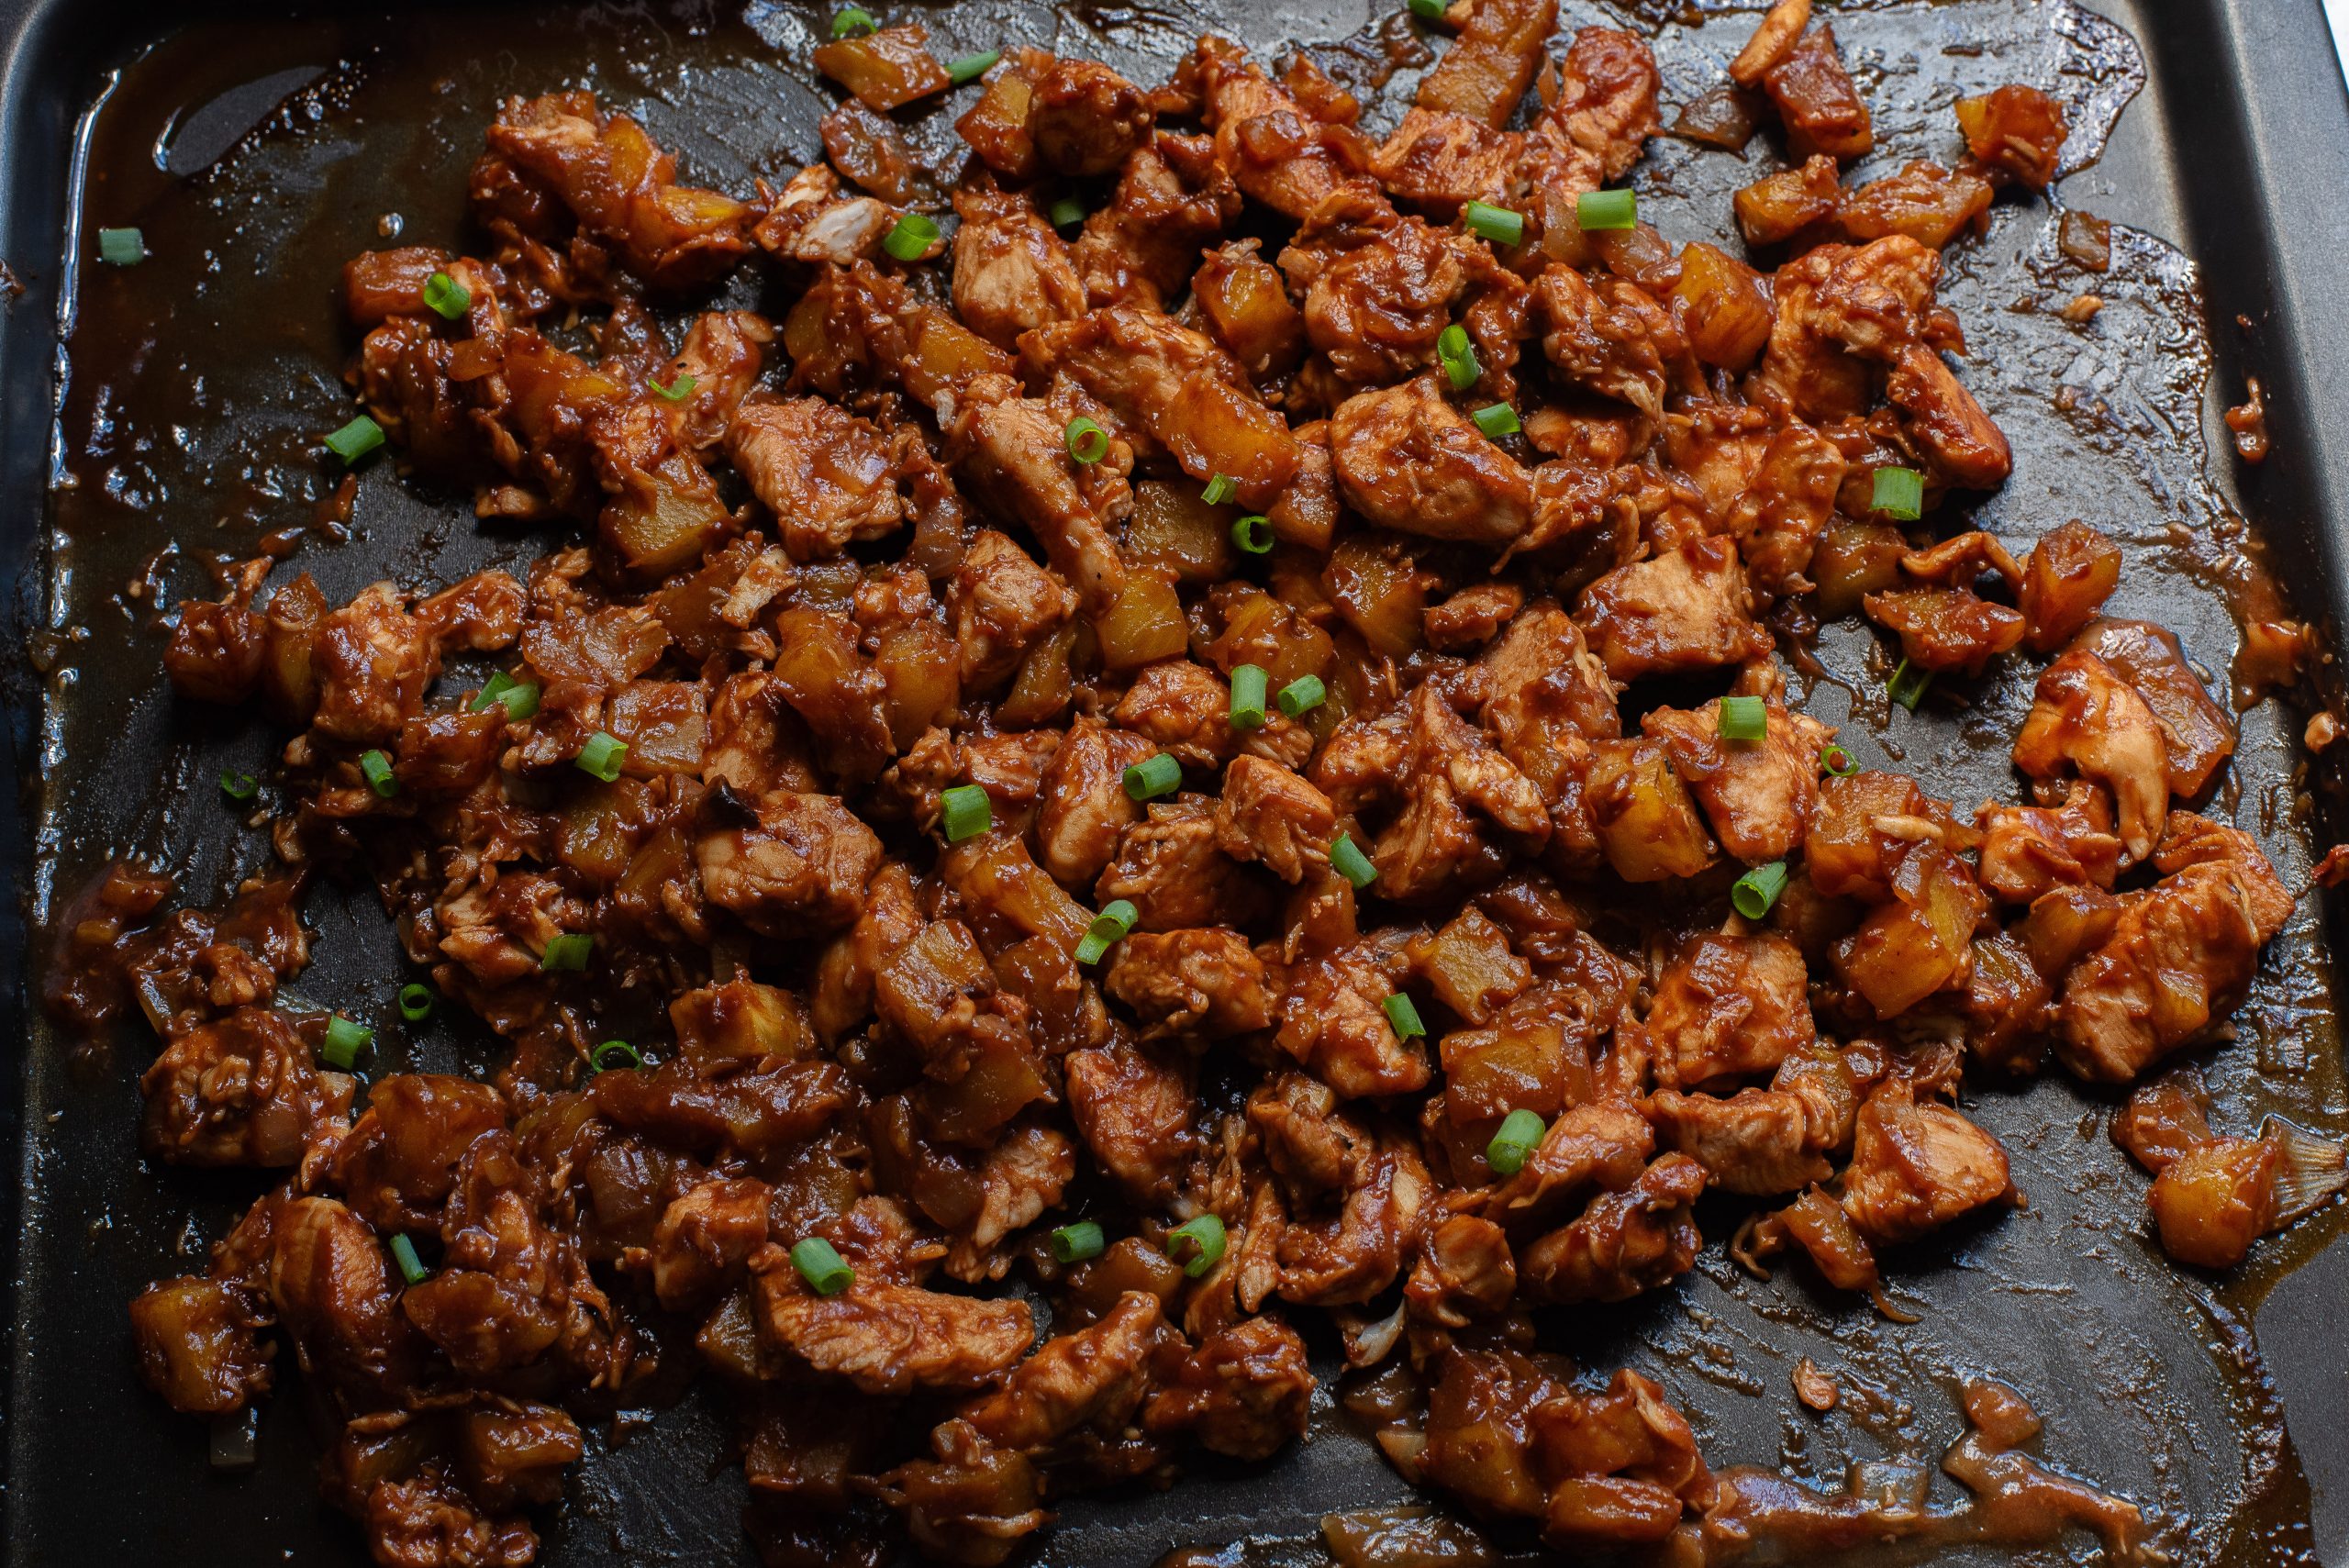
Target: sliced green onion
1834 759
911 238
1909 685
851 21
355 440
122 247
1202 1236
971 66
1247 697
1606 209
1088 442
1116 918
965 812
1074 1244
411 1267
676 391
1521 1134
1459 357
1302 695
1496 419
1758 889
820 1264
520 697
1427 11
602 756
378 769
1744 718
416 1002
447 295
1220 490
1403 1017
1253 533
238 787
567 951
344 1041
1065 213
614 1055
1348 860
1497 224
1159 775
1899 493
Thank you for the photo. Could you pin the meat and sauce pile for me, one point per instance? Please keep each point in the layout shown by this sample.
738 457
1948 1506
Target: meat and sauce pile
1203 746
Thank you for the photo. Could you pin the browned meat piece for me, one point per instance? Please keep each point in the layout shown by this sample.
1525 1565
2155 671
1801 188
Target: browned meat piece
1464 1272
1757 1141
1095 1378
1265 140
1244 1392
331 1285
1472 617
1548 697
1686 608
511 1290
706 1240
1728 1005
2177 959
1961 445
1174 200
1311 1146
1924 201
1610 336
800 868
1170 867
623 190
886 1338
242 1091
1596 127
973 1504
2197 734
1627 1464
1408 460
1019 1178
1013 454
1178 387
1084 117
1332 1021
813 220
1821 110
1002 604
1916 1166
426 1519
2088 718
1135 1112
1376 309
2072 571
1439 161
1602 1146
2017 130
2164 1119
1624 1243
1196 983
199 1345
1946 628
823 473
1448 772
2029 851
2212 1202
1353 1255
1759 796
1083 806
1185 708
397 1166
1011 271
374 661
1267 814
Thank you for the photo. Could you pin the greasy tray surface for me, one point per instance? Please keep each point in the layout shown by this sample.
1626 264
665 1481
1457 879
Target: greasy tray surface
257 158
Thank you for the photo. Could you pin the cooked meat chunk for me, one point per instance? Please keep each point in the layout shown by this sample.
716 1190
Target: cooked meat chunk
1135 1112
1333 1020
1083 807
824 476
1759 796
801 867
1095 1378
1757 1141
1624 1243
2198 734
1408 460
1730 1006
1244 1392
1374 310
2090 720
890 1339
1918 1165
1268 815
1002 604
240 1091
1012 275
1686 608
1203 984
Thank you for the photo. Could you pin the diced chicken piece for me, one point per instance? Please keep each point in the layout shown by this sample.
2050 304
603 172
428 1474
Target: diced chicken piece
1760 795
1093 1378
1012 274
1729 1005
2029 851
2197 734
972 1504
1376 309
1012 452
1020 1177
1917 1166
1352 1257
1170 866
1772 41
1757 1141
1083 804
801 868
824 473
1624 1242
1267 814
1136 1113
1274 151
1333 1022
1603 1146
1946 628
1408 460
1084 119
1598 126
1687 609
1192 984
2164 1119
1002 604
1962 445
2088 718
1610 337
1185 708
239 1091
1173 200
1466 1272
1245 1393
1454 784
1438 160
1311 1146
374 661
885 1338
705 1239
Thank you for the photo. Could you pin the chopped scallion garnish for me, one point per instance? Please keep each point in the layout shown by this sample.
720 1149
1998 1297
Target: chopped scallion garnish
1427 11
1834 760
1088 442
613 1055
355 440
1521 1134
676 391
1220 490
1497 224
403 1258
122 247
446 297
602 756
567 951
1459 357
1159 775
1899 493
1253 533
1248 696
1301 695
1909 684
1606 209
965 812
1074 1244
521 699
1744 718
820 1264
851 21
378 769
416 1002
343 1043
912 238
1496 419
240 786
1758 889
1403 1017
1201 1240
1116 918
1065 213
1348 860
971 66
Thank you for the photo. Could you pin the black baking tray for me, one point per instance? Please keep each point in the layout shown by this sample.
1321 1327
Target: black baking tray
2224 1403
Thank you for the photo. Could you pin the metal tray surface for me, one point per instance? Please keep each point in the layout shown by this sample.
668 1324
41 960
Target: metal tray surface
155 419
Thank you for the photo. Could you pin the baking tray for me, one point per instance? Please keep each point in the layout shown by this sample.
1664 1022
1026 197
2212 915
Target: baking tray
260 144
